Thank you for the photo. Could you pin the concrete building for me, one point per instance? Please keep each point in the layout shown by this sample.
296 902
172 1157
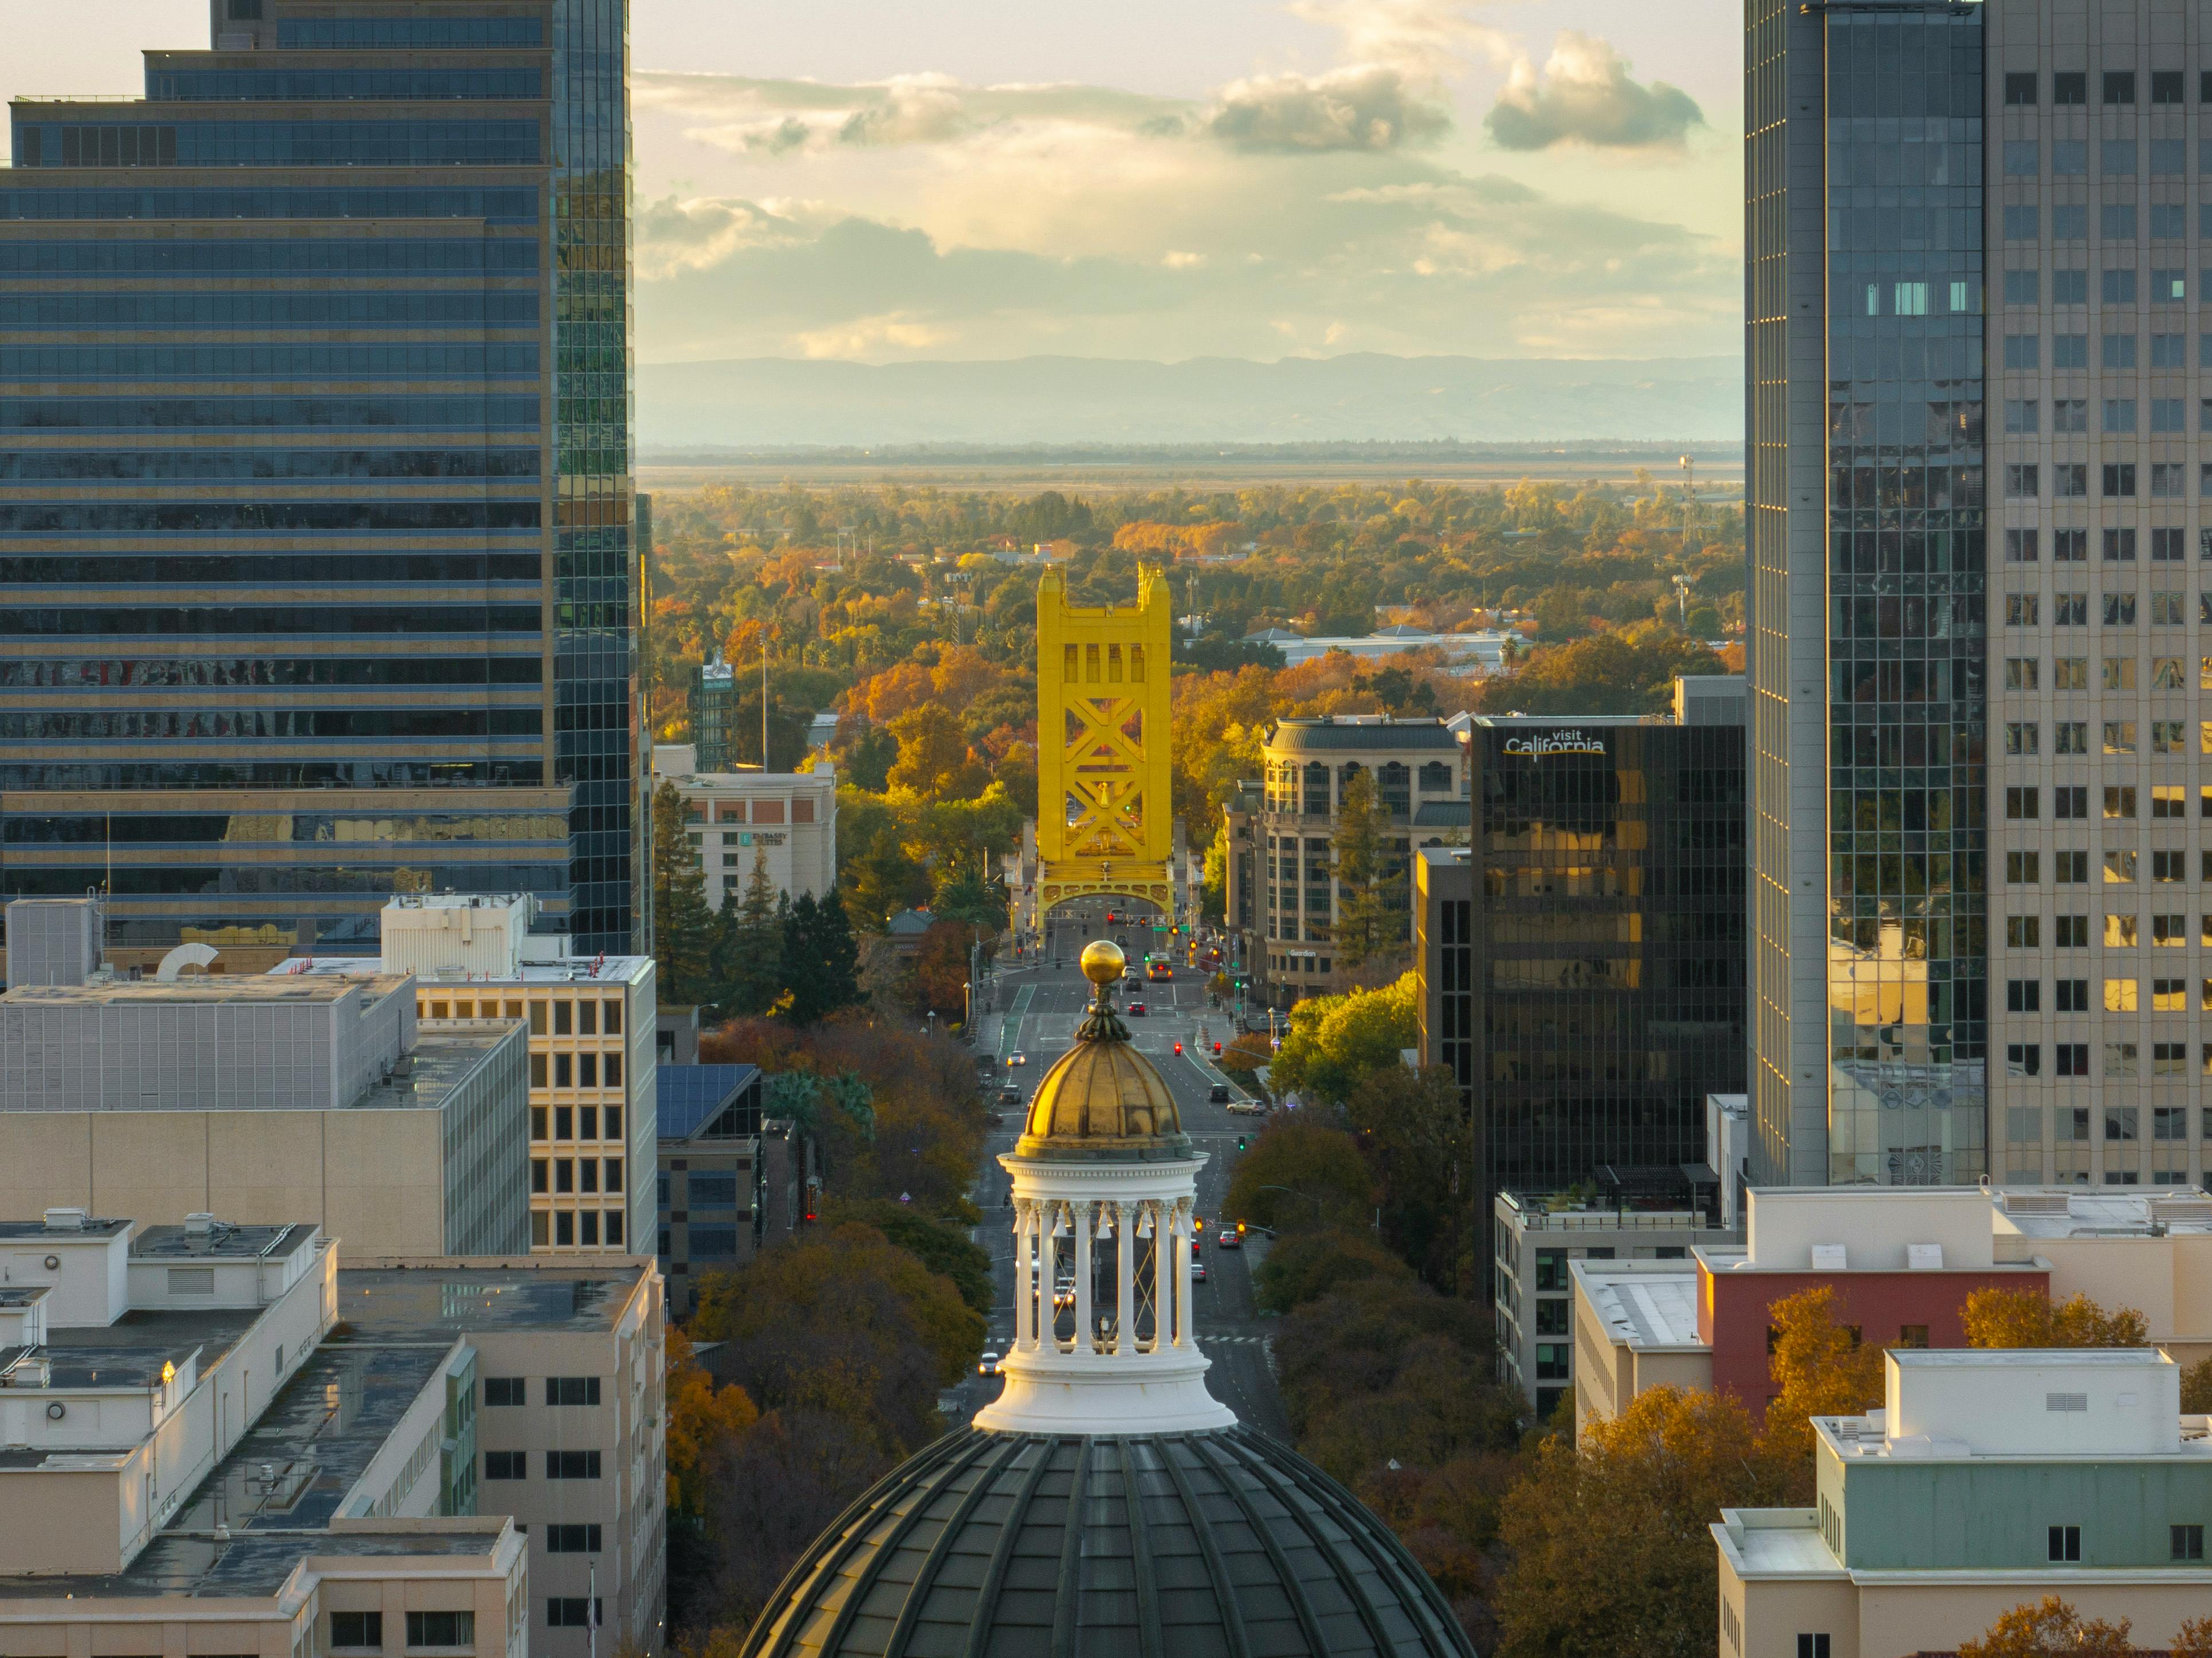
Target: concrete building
322 470
477 969
785 820
264 1099
216 1437
1535 1247
713 1175
1420 778
1988 1480
1581 961
1478 654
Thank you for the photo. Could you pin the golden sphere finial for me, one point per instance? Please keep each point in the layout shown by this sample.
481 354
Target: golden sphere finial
1103 961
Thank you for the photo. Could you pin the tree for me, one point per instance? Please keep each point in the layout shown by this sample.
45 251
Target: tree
881 879
702 1420
1319 1169
2050 1629
787 729
1368 924
1335 1041
937 1244
933 762
1420 1139
2196 1388
2027 1318
755 951
1610 1550
820 958
1819 1367
684 926
940 969
1306 1265
966 894
870 754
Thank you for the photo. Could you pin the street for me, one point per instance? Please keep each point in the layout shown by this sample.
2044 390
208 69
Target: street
1039 1008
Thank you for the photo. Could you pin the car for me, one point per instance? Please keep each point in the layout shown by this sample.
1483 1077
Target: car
1063 1293
1230 1238
1217 1094
1010 1096
1247 1108
1197 1271
1018 1058
1136 1007
988 1365
1121 939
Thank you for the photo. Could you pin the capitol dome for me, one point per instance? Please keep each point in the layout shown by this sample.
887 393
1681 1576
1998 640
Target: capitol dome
1106 1504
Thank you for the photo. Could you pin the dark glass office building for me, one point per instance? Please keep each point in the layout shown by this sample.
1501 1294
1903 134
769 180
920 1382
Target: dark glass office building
1582 962
318 578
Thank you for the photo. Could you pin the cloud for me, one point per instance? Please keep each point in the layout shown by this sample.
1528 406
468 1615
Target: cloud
1424 39
872 336
1584 96
1365 107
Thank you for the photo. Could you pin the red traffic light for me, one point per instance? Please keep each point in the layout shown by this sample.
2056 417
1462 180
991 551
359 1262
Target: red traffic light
1178 1047
1217 1047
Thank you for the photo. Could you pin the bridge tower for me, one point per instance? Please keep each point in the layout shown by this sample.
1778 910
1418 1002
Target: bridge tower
1105 811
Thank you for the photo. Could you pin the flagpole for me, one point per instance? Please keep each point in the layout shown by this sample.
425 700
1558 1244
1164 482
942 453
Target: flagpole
592 1610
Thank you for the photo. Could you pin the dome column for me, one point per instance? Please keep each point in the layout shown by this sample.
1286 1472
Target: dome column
1086 1221
1125 1279
1183 1338
1025 1281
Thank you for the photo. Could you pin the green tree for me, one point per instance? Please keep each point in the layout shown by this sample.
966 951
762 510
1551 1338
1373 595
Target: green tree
1299 1173
1420 1139
1306 1265
1334 1042
884 880
755 975
1611 1549
821 958
967 895
937 1244
868 758
684 926
1369 927
1214 891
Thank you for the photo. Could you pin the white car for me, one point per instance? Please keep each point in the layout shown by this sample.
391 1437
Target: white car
988 1365
1018 1058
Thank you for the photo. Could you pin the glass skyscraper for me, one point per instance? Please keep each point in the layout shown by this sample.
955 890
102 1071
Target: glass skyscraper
318 578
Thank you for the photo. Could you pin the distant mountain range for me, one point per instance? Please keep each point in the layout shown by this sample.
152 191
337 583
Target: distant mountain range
774 402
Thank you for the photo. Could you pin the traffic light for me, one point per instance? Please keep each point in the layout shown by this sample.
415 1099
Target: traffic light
1240 1146
1240 1228
1216 1049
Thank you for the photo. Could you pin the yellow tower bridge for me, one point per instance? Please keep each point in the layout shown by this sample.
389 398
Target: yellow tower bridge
1105 810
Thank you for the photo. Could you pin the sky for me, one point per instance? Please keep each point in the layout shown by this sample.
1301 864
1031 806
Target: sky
879 181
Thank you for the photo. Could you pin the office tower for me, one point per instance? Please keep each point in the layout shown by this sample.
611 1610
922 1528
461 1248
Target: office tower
1867 538
1581 963
317 581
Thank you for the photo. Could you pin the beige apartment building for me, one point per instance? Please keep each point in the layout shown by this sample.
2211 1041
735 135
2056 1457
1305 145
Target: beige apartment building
785 820
590 1021
212 1438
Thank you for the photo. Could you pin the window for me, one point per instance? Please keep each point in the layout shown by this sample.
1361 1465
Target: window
2021 736
2019 803
2119 800
537 1113
1551 1269
2119 932
588 1065
2120 867
2022 223
2119 609
2069 482
572 1465
563 1074
2119 544
2169 932
507 1464
2065 1542
2020 869
366 1629
2023 352
571 1539
2168 866
2070 287
2166 800
573 1612
2169 996
2169 480
587 1018
441 1629
2167 546
2072 930
2069 157
2023 931
2070 610
2070 736
2120 735
564 1122
2068 868
2069 224
2069 87
2166 86
1555 1361
2120 475
2119 88
1552 1317
2022 482
2169 1122
2168 286
572 1390
2119 157
2116 223
563 1018
2073 995
191 1280
1912 1335
538 1175
2188 1542
1813 1646
505 1390
537 1077
2021 288
2072 1059
2023 996
2024 1059
564 1175
2117 287
2071 799
2169 221
2023 610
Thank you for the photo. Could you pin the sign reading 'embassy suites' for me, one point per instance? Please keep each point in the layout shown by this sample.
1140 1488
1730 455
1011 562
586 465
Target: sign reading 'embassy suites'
1571 741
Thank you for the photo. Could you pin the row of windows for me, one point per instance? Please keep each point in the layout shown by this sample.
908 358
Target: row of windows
567 1175
2117 158
230 466
2072 736
305 361
170 672
281 880
147 725
292 828
317 569
505 1390
2071 88
323 143
316 619
424 1628
308 86
2121 995
2116 350
2121 932
407 33
568 1229
321 256
495 205
230 517
353 772
2167 608
573 1122
481 412
2168 286
2117 673
2117 221
474 307
2071 867
2167 800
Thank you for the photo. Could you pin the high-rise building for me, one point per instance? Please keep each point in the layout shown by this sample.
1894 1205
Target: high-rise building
318 582
1974 501
1867 536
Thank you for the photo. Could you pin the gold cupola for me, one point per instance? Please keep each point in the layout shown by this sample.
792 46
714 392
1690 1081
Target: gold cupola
1102 1099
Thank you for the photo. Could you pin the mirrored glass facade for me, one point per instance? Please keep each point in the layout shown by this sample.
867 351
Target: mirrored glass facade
316 503
1866 489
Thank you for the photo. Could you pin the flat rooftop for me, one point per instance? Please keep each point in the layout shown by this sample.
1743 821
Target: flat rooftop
222 1241
19 1231
203 989
152 1335
2103 1212
436 1302
578 969
1776 1543
1647 1310
442 1057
